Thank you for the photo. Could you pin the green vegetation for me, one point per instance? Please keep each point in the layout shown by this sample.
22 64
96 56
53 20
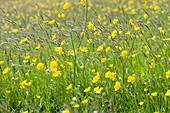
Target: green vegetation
85 56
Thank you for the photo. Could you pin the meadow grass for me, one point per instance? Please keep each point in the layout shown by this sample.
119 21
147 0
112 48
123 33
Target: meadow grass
85 56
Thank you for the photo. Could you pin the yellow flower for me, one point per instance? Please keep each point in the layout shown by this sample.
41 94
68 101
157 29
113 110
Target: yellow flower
100 48
154 94
168 74
67 111
98 90
61 15
90 25
99 18
59 50
7 91
40 66
83 49
56 73
154 37
1 62
76 105
38 96
128 33
23 40
69 87
53 65
5 71
107 49
117 86
111 75
15 30
25 112
136 27
96 78
169 59
87 89
114 33
85 101
141 103
167 93
82 2
51 22
66 5
115 21
34 59
38 46
103 60
145 16
131 79
124 53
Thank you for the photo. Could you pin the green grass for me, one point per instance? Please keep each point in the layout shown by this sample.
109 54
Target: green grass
25 88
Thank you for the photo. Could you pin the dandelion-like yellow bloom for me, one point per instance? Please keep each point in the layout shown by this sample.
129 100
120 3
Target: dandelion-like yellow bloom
131 79
7 91
15 30
103 60
67 111
114 33
115 21
53 65
85 101
59 50
141 103
66 5
124 53
82 2
40 66
69 87
117 86
90 25
61 15
136 27
168 74
83 49
100 48
56 73
98 89
51 22
96 78
87 89
5 71
167 93
154 94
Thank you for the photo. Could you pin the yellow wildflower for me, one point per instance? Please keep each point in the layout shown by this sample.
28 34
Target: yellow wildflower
87 89
66 111
5 71
51 22
168 74
154 94
124 53
167 93
103 60
96 78
69 87
40 66
131 79
53 65
66 5
117 86
98 89
100 48
82 2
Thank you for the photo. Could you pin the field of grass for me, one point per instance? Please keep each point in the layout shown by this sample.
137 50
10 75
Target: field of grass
85 56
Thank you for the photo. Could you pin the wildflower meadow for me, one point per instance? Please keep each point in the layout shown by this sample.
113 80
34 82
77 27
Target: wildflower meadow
84 56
